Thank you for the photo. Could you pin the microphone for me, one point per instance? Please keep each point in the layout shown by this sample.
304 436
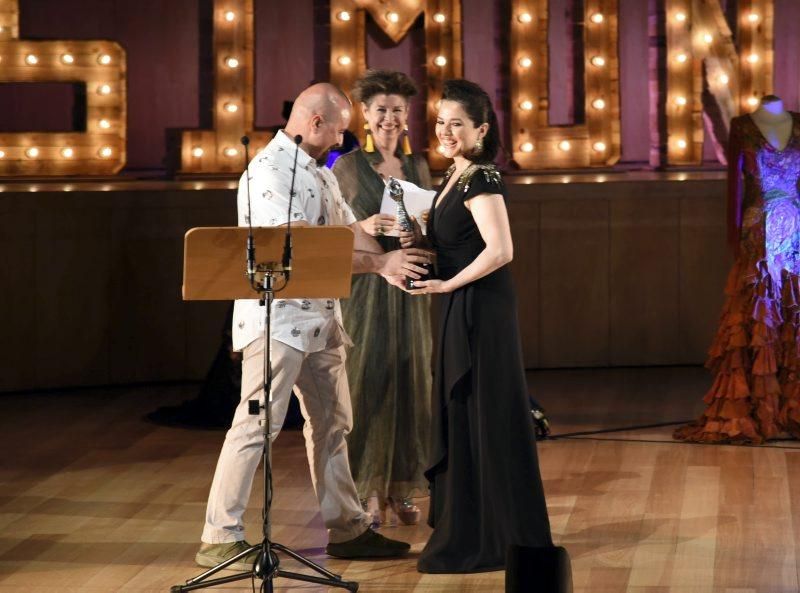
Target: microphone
251 247
287 243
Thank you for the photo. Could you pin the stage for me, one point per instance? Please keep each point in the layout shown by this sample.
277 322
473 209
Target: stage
94 499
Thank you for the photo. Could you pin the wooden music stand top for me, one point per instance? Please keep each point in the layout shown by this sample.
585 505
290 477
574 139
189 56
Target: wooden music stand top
215 262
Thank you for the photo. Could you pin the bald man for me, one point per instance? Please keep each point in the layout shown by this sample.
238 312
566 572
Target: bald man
307 344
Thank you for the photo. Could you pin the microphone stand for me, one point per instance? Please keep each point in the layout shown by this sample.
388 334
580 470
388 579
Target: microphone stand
267 565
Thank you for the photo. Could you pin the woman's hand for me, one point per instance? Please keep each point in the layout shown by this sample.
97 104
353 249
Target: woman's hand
378 224
430 287
411 238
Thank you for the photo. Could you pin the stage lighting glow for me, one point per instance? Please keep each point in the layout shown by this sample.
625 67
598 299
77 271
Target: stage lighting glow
104 89
392 17
525 62
105 152
32 152
525 17
232 62
343 16
67 152
598 61
67 59
565 146
31 59
597 18
230 152
440 61
104 124
197 152
526 147
230 16
439 18
599 146
526 105
599 104
104 59
231 107
344 60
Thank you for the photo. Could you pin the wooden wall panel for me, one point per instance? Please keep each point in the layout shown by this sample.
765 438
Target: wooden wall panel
704 265
72 298
574 283
614 273
91 287
525 267
644 280
18 274
148 317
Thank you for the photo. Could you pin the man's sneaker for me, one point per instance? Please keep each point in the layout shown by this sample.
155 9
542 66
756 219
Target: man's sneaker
211 555
368 545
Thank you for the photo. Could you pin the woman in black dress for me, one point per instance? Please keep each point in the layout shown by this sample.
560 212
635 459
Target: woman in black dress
486 490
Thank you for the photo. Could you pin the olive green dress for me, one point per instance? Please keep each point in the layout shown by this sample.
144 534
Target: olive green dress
389 366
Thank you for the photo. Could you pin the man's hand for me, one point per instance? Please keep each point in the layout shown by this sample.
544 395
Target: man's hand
398 281
405 262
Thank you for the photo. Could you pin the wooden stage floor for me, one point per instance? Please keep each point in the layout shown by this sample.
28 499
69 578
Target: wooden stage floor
95 500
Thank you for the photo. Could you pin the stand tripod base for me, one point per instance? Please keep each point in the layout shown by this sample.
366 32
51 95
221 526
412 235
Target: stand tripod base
267 570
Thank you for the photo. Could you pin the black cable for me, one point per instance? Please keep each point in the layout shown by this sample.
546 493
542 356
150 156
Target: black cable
616 429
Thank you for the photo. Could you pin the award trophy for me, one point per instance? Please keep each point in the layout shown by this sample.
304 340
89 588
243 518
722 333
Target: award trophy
403 219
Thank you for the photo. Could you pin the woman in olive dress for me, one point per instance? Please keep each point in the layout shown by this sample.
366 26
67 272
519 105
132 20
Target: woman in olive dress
389 367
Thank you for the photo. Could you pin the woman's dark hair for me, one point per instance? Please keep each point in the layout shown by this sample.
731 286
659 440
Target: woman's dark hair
479 109
383 82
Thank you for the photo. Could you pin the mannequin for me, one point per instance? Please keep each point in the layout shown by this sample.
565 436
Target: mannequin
755 356
774 121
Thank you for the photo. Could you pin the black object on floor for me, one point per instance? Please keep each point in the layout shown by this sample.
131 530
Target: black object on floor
219 395
539 570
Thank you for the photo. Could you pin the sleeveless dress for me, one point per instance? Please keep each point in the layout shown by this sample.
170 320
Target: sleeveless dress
755 355
389 366
486 490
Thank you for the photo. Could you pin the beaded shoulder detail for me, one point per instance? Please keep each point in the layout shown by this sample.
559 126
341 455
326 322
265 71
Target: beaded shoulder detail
488 172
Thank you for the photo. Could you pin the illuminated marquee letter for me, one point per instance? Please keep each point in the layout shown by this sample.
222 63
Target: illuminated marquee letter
100 65
219 150
697 35
442 41
536 144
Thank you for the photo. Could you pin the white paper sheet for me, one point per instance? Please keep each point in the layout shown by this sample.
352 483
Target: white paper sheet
416 199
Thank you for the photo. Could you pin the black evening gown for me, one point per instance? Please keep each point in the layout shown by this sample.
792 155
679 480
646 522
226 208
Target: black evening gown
486 490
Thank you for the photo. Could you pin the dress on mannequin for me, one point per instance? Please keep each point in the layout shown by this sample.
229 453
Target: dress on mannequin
755 356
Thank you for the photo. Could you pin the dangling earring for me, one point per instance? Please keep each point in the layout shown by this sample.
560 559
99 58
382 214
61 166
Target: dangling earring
406 143
478 148
369 145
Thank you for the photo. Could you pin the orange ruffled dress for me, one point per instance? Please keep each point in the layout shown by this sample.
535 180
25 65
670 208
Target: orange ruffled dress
755 356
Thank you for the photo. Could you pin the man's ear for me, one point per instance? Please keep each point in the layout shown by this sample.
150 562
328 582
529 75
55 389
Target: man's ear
316 122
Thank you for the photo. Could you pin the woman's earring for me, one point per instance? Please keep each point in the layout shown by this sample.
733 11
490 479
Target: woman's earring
406 142
369 145
478 148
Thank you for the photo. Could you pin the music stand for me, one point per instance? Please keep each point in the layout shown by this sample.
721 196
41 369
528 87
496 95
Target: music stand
212 270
